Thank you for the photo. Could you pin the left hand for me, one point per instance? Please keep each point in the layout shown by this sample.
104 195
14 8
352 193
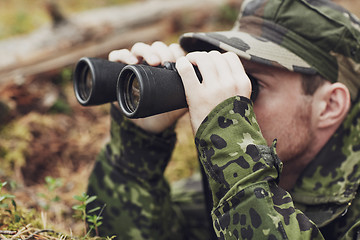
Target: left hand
154 54
223 77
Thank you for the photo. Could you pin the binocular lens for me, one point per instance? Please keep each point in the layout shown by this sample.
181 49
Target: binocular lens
85 83
132 94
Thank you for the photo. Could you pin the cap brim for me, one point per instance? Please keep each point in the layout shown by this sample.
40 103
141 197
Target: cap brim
246 46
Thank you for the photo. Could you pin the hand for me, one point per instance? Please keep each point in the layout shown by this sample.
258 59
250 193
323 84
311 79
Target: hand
223 77
154 55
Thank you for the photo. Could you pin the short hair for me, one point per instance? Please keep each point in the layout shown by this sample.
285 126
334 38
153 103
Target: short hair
310 83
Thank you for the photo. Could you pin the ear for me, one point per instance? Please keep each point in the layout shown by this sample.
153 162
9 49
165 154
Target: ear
333 104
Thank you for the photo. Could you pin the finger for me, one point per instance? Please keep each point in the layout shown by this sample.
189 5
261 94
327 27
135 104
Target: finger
163 52
145 52
176 50
188 75
206 66
239 74
222 66
122 55
235 64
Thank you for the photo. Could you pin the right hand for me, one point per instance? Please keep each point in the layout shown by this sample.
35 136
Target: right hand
154 55
223 76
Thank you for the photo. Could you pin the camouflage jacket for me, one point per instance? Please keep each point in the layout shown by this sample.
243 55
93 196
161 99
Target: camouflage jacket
242 173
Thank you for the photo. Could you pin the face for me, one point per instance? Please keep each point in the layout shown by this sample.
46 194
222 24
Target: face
282 110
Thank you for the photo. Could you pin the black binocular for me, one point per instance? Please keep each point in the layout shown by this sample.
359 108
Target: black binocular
141 90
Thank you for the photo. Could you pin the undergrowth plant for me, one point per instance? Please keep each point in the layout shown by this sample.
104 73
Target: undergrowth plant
5 207
14 220
11 217
85 215
52 185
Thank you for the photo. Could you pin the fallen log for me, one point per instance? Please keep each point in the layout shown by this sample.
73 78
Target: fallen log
93 33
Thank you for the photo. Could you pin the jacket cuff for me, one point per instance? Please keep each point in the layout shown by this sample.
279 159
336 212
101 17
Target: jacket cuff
233 151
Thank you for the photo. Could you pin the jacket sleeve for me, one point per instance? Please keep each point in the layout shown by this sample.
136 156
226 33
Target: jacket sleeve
243 173
129 183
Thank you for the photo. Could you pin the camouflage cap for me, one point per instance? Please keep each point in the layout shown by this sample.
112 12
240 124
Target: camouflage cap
307 36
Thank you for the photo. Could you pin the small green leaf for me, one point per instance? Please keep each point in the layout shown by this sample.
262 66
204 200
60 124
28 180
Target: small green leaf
14 203
2 184
90 199
7 196
17 218
79 198
78 207
56 199
93 210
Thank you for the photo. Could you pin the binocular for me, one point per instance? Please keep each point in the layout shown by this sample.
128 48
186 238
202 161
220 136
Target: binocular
141 90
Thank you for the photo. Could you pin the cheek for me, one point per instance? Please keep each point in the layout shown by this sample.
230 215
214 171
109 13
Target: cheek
274 117
288 122
268 120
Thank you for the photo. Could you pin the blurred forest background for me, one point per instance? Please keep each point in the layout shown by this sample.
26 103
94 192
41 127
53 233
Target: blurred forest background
48 142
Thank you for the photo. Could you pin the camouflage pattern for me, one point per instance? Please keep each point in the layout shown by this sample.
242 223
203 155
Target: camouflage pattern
243 173
129 184
306 36
328 189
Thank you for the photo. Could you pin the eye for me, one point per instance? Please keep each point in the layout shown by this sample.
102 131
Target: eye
255 87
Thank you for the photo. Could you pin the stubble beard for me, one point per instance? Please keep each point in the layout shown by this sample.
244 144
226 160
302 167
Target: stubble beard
296 139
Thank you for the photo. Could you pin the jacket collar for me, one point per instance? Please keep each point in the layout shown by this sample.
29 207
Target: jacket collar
330 182
334 174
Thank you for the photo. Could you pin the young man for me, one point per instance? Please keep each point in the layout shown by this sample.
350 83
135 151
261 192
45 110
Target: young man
305 57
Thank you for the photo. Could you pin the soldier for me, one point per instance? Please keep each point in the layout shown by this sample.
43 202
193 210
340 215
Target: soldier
283 165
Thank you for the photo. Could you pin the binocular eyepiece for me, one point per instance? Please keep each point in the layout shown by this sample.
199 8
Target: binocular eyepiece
140 90
95 81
